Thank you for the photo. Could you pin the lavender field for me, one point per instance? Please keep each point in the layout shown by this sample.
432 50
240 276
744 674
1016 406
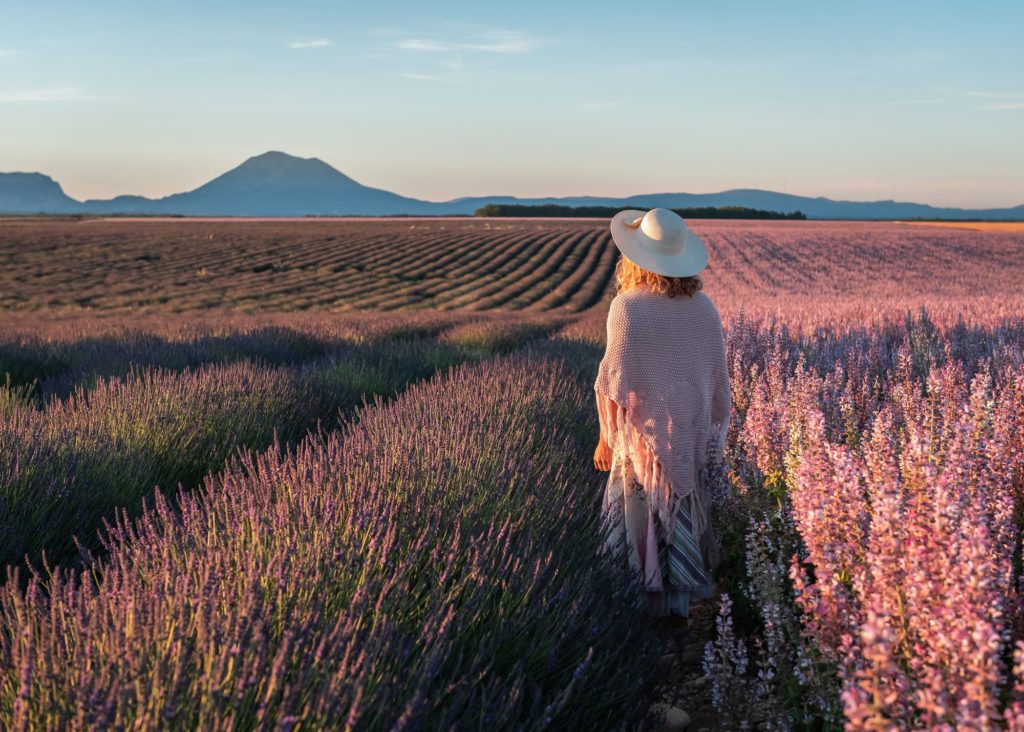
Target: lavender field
281 517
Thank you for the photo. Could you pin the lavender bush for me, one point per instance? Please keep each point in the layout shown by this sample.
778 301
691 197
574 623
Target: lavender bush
68 465
54 356
878 513
384 577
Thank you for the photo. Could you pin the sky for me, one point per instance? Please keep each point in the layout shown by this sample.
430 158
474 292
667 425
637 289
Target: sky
913 101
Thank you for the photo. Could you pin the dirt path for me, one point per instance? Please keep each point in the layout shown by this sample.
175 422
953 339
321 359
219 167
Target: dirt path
685 685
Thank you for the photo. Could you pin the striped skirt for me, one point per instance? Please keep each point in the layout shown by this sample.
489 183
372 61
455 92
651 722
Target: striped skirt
672 566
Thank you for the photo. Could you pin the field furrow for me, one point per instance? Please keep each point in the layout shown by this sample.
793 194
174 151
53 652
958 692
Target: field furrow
481 264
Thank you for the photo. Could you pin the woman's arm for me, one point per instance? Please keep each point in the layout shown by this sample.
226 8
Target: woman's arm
721 401
607 409
603 452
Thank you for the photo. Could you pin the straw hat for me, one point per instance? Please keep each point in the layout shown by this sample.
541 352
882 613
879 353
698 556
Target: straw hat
659 241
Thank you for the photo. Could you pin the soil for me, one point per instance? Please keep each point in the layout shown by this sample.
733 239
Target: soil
685 685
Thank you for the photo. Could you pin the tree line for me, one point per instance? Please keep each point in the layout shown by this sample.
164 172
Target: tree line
554 210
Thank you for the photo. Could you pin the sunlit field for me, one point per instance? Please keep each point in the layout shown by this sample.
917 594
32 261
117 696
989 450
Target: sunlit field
818 271
337 474
1003 226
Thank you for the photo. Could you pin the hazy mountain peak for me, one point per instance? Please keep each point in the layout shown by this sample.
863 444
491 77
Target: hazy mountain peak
275 168
275 159
271 155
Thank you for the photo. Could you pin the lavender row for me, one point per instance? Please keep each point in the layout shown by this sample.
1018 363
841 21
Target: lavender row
66 467
55 355
433 565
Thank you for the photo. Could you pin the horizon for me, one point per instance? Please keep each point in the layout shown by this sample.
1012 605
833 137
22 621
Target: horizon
494 195
873 103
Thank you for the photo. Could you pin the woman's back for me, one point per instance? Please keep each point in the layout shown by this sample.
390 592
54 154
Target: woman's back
671 348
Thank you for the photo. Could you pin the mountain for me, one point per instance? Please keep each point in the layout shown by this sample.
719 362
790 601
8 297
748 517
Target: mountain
277 184
119 205
273 184
33 193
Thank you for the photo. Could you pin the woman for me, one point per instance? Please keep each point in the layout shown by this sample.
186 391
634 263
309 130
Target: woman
663 403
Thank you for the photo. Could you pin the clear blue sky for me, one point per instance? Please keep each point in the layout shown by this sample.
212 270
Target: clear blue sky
861 100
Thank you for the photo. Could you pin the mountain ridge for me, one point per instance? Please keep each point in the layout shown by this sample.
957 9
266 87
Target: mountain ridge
275 183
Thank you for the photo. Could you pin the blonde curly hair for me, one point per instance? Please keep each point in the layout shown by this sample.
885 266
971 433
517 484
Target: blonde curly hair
629 274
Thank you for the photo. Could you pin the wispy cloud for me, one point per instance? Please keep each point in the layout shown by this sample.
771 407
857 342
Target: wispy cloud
995 95
1010 100
5 53
315 43
496 41
1003 107
462 56
424 44
50 94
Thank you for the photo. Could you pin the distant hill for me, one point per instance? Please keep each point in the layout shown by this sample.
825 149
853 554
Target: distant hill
33 193
277 184
273 184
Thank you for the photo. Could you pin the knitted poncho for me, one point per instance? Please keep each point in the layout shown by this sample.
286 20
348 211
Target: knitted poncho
663 392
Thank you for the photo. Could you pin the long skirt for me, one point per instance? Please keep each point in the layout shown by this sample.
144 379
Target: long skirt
672 566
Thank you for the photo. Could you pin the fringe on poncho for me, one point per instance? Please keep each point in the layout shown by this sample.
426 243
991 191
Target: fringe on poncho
663 387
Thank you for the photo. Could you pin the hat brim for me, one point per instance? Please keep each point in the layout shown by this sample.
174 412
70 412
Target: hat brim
692 261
